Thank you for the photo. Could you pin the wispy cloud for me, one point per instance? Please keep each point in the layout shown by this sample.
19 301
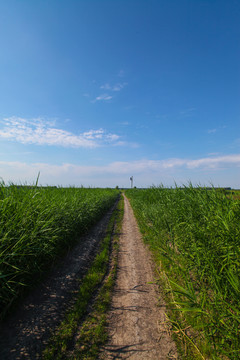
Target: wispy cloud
146 165
218 129
116 87
110 90
187 112
216 162
105 87
156 165
103 97
211 131
145 171
41 132
119 87
128 144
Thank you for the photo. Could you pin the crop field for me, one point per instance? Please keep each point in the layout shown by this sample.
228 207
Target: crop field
37 226
194 234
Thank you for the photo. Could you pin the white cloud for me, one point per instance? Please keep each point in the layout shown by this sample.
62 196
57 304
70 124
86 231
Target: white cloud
105 87
116 87
103 97
109 88
119 87
132 145
145 170
41 132
94 134
218 129
112 137
215 162
158 165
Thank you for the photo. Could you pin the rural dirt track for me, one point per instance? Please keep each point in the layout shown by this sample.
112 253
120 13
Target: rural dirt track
137 328
24 335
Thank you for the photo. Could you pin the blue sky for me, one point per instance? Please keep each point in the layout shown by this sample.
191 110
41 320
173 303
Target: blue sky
93 92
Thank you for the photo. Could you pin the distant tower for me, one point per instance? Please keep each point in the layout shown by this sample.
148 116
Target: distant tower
131 179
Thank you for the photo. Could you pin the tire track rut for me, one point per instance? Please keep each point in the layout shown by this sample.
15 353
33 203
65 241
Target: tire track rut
24 335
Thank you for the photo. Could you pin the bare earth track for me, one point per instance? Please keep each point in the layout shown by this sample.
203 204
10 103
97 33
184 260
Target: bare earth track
137 328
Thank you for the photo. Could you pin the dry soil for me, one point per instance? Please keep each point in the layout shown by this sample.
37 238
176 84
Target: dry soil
137 326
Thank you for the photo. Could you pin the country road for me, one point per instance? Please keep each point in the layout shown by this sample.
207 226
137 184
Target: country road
137 327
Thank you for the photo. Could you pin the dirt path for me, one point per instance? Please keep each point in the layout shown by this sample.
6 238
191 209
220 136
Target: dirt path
136 324
24 335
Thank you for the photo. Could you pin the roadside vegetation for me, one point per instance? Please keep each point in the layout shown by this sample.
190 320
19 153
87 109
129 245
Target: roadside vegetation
194 234
37 226
83 331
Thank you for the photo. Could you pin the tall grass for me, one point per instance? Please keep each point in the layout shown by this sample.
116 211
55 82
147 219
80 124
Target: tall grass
37 225
195 234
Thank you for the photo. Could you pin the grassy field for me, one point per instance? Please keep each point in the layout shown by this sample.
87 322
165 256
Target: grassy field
194 234
37 226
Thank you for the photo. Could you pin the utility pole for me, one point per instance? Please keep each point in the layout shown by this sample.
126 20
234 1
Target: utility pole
131 179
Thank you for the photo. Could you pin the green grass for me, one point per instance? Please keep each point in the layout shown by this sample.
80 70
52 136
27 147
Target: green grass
37 226
195 236
90 332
